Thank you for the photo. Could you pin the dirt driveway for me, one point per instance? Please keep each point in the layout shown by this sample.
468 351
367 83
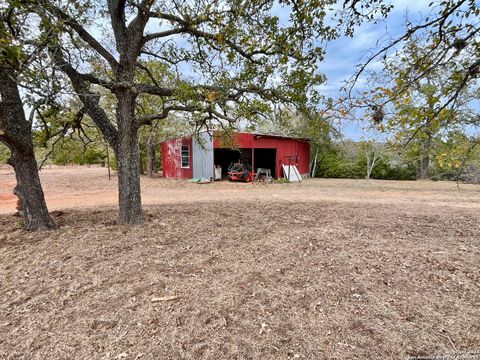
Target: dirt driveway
84 187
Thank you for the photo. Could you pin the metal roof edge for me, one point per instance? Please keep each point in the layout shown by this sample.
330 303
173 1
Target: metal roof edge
243 132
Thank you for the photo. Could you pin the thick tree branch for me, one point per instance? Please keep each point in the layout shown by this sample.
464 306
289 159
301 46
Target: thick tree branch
438 21
82 33
162 34
116 8
154 90
147 119
189 27
89 99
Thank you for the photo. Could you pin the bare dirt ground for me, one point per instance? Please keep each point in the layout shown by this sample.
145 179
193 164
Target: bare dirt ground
326 269
83 187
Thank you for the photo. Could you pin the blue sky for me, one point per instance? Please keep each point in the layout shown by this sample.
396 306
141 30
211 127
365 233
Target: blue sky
343 54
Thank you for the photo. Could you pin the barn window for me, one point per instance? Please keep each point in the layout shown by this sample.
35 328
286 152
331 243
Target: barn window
185 156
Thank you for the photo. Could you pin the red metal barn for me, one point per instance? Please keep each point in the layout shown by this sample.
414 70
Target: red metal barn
188 157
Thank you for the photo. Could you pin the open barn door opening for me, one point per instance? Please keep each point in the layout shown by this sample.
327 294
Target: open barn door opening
225 157
265 159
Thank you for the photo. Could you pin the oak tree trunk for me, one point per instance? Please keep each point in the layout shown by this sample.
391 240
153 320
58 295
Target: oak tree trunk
32 204
128 157
151 157
129 198
423 172
140 163
15 132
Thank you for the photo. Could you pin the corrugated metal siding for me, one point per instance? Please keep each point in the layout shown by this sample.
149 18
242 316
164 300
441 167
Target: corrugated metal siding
298 149
287 148
240 140
244 140
172 158
304 157
203 156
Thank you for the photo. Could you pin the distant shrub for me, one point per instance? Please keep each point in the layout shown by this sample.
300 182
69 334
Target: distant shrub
385 171
337 165
89 156
333 165
4 153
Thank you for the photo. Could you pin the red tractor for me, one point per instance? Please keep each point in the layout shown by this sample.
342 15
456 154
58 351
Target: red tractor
240 172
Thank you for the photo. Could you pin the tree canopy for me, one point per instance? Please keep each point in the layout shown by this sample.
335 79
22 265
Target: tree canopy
448 34
223 61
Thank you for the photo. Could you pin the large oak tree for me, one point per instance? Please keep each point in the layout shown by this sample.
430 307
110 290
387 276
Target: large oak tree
232 60
15 129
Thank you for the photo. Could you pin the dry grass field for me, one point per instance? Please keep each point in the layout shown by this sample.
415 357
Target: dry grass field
325 269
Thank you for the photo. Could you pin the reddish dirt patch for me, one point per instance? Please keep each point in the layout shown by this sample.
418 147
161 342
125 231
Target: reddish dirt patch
7 183
7 197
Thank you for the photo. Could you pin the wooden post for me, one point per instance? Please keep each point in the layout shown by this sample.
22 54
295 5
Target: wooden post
289 161
108 163
253 158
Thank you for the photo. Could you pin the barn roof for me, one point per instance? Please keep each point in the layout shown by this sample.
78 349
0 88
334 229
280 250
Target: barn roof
277 136
255 134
